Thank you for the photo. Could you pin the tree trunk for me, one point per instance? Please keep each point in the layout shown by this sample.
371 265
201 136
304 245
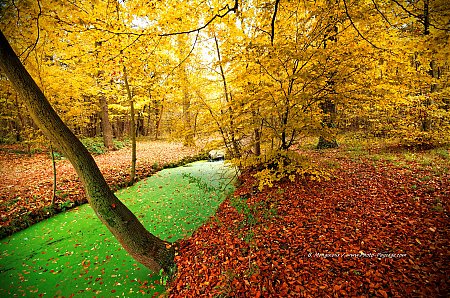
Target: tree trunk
54 175
189 136
106 124
327 140
328 107
257 141
18 123
146 248
426 17
132 129
235 152
184 85
426 121
284 122
159 114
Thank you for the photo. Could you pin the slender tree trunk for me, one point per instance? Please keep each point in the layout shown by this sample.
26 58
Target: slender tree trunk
426 121
106 124
19 124
132 129
426 17
235 145
159 114
116 130
194 129
54 175
147 121
140 124
184 83
189 137
146 248
284 122
257 134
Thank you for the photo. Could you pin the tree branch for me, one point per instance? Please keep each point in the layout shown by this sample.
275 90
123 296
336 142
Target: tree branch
381 13
18 11
272 35
126 47
218 15
356 29
33 46
182 61
407 11
419 18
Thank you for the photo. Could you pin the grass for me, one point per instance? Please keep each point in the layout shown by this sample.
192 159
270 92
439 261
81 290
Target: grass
73 253
443 153
95 145
356 145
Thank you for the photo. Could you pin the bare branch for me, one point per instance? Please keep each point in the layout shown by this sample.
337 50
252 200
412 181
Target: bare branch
30 48
18 11
185 58
190 52
218 15
407 11
356 29
381 13
154 48
78 6
126 47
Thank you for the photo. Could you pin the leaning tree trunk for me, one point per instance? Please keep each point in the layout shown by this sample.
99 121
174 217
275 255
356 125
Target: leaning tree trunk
146 248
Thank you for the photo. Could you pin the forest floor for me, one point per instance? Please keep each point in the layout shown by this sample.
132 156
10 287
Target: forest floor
26 181
379 228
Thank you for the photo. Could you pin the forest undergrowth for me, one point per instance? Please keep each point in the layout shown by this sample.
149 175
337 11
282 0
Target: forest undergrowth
379 228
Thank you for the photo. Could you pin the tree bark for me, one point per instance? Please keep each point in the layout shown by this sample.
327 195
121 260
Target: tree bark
54 174
18 123
158 115
426 17
189 136
106 124
327 141
132 129
235 152
426 121
146 248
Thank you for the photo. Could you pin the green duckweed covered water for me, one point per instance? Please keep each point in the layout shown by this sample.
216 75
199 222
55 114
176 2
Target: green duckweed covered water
73 253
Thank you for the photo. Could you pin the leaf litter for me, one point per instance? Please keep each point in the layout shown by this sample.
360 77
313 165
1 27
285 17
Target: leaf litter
372 231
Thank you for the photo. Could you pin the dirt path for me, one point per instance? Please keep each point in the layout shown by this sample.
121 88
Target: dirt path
26 181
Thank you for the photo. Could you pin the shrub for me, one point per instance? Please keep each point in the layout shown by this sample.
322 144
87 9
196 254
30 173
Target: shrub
284 165
94 145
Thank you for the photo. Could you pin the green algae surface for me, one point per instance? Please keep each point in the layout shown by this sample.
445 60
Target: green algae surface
74 255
